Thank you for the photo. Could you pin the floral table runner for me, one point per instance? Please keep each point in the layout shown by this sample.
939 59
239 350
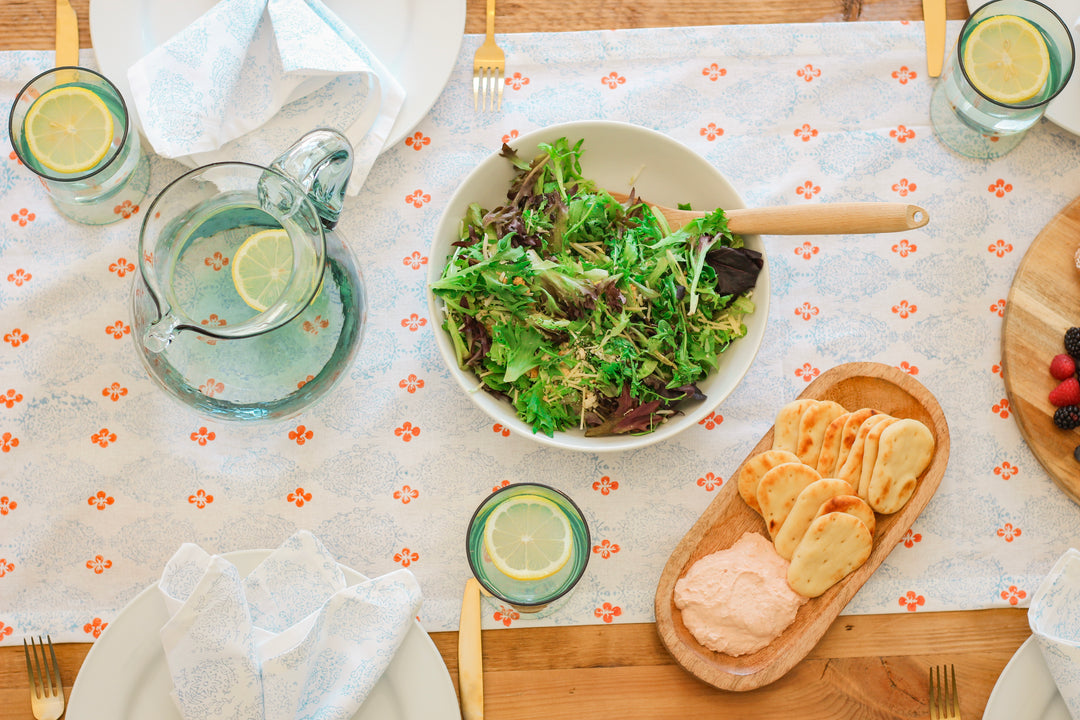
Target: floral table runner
102 476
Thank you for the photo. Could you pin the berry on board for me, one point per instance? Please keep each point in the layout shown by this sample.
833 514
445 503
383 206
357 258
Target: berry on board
1072 342
1066 393
1067 417
1063 366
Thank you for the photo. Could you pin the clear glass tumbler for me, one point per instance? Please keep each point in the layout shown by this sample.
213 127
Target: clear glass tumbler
117 183
971 123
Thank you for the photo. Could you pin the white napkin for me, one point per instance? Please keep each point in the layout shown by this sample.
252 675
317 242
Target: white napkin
288 642
1054 617
249 77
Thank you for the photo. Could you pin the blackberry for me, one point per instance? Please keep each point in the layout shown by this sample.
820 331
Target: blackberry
1076 453
1072 341
1067 417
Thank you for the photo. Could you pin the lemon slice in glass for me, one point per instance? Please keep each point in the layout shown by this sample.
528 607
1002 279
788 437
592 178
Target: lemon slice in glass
68 129
1006 59
528 537
261 268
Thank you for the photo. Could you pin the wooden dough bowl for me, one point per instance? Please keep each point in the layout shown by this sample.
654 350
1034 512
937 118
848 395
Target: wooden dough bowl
854 385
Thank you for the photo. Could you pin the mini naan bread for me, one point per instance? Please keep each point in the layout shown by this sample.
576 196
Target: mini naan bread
833 546
830 445
852 468
813 423
803 512
870 452
786 427
847 436
778 489
756 467
904 451
852 505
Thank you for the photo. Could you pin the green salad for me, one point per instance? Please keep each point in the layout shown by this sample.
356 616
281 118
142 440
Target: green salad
584 312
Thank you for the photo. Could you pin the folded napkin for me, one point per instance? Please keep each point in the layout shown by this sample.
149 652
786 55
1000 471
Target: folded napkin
1054 617
288 642
249 77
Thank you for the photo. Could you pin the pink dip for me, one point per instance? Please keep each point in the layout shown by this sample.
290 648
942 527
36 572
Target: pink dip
736 601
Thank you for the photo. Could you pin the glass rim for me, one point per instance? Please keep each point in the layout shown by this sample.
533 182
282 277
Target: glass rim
111 157
1026 105
495 593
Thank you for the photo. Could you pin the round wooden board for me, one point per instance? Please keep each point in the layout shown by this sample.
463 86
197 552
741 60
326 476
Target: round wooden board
1043 302
853 385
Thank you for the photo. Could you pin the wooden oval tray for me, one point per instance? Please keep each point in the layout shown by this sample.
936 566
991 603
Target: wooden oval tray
854 385
1043 302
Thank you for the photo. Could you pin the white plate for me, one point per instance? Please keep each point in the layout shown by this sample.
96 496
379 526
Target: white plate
1064 110
125 675
417 40
1025 690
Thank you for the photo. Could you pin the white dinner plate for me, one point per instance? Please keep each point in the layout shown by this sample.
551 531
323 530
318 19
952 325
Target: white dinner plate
1025 690
125 675
417 40
1064 110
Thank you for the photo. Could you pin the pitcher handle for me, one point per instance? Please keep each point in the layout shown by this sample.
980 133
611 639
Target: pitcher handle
321 163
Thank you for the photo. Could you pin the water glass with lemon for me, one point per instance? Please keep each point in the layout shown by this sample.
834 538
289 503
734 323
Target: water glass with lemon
71 127
1012 58
528 545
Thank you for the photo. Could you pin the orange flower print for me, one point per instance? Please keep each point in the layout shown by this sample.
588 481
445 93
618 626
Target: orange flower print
411 383
808 72
517 81
305 381
203 436
407 431
414 322
14 156
8 442
417 141
605 485
299 497
710 482
1000 248
1014 595
805 133
103 437
711 421
998 308
902 134
808 190
605 549
5 630
999 188
608 612
500 486
498 429
7 504
807 372
908 368
505 615
710 132
16 337
613 80
100 500
1009 533
406 494
314 326
904 187
118 329
98 564
217 261
807 250
211 387
95 627
23 217
211 322
904 74
996 369
1001 409
114 392
713 71
19 277
5 567
807 311
911 601
11 397
301 434
416 260
417 198
512 135
406 557
200 499
904 248
126 209
910 538
1006 470
121 267
904 309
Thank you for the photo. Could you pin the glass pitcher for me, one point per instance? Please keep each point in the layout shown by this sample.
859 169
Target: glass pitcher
201 331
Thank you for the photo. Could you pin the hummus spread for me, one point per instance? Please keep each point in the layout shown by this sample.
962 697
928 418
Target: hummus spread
736 601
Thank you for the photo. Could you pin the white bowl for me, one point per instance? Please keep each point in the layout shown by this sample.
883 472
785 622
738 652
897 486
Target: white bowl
618 156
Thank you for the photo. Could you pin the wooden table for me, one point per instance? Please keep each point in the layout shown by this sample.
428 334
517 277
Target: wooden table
865 667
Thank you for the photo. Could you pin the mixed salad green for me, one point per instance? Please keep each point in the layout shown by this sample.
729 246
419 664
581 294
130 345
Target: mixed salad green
586 312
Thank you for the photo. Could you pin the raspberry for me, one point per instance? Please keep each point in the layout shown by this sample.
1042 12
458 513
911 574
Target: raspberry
1062 366
1072 342
1066 393
1067 417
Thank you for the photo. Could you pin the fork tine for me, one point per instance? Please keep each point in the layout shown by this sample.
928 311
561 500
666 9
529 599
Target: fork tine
476 88
932 701
30 669
55 668
43 669
955 697
501 81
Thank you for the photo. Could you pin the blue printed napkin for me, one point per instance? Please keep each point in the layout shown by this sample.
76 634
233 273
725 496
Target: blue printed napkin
1054 617
289 641
249 77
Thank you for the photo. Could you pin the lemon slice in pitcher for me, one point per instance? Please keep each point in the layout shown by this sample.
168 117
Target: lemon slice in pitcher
68 129
261 268
1007 59
528 538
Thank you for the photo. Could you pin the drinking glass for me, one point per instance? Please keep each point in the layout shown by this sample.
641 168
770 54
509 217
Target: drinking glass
113 188
535 595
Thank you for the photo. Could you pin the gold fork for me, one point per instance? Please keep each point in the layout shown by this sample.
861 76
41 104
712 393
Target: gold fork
944 701
489 64
46 696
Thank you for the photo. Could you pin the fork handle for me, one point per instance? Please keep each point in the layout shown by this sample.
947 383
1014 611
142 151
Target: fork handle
490 18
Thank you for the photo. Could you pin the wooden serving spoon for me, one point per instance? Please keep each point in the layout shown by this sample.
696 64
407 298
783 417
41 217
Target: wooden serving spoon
825 219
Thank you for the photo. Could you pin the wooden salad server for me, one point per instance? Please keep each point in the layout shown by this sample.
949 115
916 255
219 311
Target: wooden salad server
824 219
470 654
